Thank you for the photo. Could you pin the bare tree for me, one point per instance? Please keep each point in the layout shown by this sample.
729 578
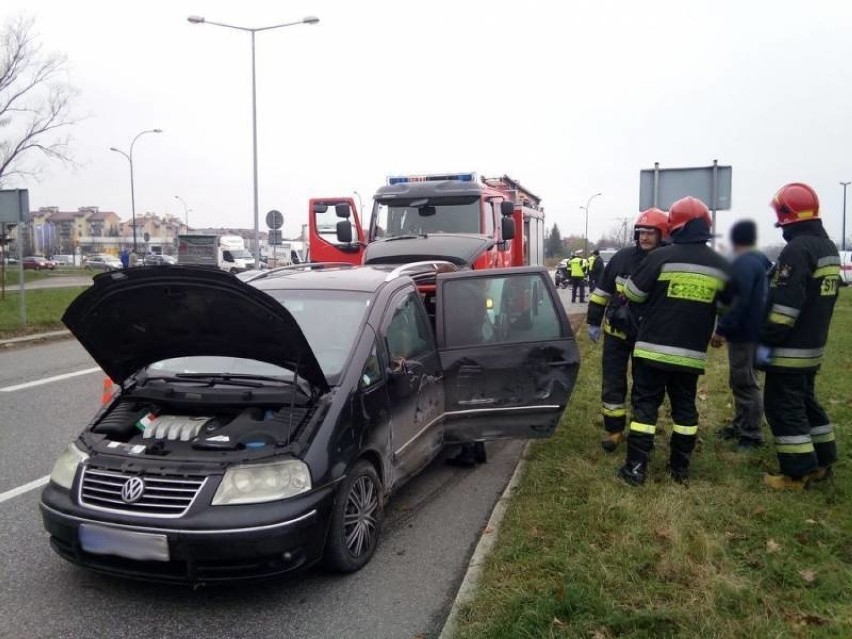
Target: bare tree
35 102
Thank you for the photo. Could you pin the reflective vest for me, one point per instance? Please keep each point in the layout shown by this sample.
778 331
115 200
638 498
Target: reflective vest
802 293
678 287
578 267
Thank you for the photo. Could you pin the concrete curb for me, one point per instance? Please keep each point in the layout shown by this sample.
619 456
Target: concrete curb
38 337
483 548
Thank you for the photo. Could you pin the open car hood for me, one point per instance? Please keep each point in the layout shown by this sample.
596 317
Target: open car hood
460 249
132 318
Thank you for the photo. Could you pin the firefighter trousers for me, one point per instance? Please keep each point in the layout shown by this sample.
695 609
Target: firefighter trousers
614 363
578 284
804 435
650 386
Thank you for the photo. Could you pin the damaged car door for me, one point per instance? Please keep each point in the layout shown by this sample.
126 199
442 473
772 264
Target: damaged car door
508 354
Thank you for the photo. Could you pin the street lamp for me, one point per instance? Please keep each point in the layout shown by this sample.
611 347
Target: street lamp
843 239
586 232
129 157
185 210
202 20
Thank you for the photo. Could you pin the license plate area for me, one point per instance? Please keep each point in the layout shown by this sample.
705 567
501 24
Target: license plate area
100 540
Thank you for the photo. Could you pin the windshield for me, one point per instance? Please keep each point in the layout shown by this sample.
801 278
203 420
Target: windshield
427 215
330 321
241 254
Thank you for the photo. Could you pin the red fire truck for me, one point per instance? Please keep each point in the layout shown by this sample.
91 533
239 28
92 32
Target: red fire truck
461 218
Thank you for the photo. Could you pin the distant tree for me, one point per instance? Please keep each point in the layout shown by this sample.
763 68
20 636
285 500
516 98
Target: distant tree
617 236
35 102
553 243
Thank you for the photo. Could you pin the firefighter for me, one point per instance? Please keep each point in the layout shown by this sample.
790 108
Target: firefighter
596 267
677 287
802 294
579 268
608 307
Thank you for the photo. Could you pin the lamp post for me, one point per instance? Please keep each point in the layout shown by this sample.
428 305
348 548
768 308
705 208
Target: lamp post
586 232
202 20
185 211
843 239
129 157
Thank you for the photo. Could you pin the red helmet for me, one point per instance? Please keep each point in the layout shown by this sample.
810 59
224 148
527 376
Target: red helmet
652 219
795 202
685 210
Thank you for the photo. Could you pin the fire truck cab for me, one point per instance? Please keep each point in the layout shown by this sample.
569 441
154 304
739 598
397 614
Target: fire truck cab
470 221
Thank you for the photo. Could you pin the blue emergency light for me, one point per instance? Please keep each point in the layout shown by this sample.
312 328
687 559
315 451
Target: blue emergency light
455 177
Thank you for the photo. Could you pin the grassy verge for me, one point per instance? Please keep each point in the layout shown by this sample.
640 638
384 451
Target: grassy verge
44 310
582 555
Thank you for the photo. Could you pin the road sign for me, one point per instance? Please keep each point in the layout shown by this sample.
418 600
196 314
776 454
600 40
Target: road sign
14 205
275 238
274 219
662 187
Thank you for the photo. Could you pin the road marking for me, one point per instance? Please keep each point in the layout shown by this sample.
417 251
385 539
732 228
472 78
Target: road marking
20 490
48 380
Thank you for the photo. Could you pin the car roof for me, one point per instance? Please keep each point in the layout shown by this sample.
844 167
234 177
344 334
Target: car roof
367 279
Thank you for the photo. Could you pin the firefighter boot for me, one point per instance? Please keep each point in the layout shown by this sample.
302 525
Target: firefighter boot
680 447
785 482
639 446
611 441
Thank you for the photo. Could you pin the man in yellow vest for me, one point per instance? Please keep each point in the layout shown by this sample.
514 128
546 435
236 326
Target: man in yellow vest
578 267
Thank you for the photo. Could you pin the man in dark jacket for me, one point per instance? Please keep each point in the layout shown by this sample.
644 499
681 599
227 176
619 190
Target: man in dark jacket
596 268
802 295
678 287
608 308
740 327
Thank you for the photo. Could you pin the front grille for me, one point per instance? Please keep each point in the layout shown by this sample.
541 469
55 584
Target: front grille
162 496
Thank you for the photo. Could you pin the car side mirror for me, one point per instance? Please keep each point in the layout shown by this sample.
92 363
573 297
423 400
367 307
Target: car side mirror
507 228
320 208
507 208
342 210
426 211
344 232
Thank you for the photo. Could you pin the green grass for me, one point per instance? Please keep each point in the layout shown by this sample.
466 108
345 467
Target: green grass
44 310
582 555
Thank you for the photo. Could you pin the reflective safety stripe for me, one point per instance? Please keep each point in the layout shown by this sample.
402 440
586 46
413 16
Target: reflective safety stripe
633 293
670 355
613 410
685 430
785 310
784 320
796 357
595 298
792 449
620 281
822 434
825 271
792 439
685 267
639 427
828 260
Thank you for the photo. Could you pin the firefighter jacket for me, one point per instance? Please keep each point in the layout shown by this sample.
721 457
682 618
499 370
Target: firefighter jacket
802 293
595 266
679 287
607 303
578 266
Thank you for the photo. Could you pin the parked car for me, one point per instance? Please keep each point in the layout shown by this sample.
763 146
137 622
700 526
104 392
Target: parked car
260 427
158 260
102 263
38 263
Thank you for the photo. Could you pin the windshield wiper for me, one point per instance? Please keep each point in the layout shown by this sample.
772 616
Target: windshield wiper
205 379
404 237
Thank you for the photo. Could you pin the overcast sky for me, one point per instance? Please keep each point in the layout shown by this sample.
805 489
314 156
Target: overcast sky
569 98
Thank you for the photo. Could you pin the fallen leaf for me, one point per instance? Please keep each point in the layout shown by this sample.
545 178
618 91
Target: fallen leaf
597 634
663 533
810 521
558 622
800 619
772 546
702 397
808 575
487 531
760 510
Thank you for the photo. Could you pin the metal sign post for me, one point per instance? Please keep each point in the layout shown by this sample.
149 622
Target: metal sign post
14 207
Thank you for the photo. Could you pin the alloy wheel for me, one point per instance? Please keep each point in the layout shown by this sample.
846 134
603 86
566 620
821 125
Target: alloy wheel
359 518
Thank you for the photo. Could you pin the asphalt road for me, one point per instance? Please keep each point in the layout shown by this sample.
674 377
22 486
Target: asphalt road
430 530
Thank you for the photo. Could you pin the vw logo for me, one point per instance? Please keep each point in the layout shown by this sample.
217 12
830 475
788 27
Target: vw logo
132 490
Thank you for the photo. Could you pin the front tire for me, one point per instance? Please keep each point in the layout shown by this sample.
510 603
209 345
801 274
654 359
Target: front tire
354 529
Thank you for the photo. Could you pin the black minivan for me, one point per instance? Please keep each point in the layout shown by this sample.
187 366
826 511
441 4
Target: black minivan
260 426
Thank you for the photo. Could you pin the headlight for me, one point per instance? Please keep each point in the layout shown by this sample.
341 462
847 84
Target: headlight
66 466
258 483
